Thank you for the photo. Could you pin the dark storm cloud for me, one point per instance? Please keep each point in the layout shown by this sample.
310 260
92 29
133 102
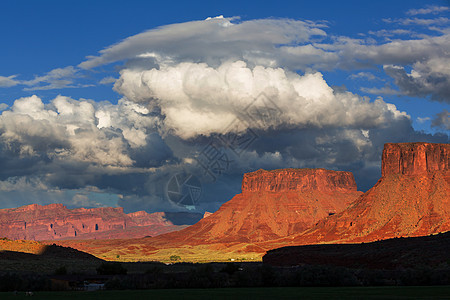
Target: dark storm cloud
441 120
422 83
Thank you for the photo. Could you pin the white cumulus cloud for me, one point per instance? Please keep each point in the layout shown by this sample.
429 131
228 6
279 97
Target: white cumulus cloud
79 130
197 99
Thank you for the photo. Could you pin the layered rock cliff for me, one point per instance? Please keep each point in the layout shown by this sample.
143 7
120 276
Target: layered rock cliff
414 158
272 204
55 221
412 198
300 180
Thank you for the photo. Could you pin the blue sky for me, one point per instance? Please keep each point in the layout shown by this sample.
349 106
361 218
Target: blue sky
40 36
108 111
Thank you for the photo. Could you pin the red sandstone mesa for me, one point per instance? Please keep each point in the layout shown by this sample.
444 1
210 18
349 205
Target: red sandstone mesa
295 207
412 198
55 221
272 204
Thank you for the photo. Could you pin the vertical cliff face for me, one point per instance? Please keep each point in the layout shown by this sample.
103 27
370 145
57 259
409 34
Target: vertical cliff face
302 180
55 221
272 204
412 198
414 158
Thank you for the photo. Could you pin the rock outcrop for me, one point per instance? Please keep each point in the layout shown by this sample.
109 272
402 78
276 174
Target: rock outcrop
412 198
414 158
272 204
207 214
300 180
55 221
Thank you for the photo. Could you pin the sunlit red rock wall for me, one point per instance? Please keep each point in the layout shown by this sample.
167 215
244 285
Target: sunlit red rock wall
414 158
298 180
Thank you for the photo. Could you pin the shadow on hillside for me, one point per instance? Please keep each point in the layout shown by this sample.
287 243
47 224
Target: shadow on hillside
48 252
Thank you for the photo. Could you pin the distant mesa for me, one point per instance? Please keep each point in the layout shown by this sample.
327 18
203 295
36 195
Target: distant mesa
55 221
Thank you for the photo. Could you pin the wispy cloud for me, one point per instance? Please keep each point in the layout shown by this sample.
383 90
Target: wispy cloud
59 78
423 120
55 79
434 9
386 90
108 80
424 22
364 75
8 81
391 32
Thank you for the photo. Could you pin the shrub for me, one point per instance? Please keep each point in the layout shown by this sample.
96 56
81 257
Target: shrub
175 257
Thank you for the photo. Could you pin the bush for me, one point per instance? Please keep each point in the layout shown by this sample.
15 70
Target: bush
175 258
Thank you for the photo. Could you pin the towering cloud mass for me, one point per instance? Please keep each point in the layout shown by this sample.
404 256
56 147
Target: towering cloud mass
197 99
186 86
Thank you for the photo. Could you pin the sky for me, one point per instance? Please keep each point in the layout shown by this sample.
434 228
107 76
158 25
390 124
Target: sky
163 106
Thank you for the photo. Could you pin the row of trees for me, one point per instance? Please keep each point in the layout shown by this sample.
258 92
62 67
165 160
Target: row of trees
253 275
182 275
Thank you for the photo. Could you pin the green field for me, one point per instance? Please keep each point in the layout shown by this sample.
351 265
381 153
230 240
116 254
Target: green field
427 292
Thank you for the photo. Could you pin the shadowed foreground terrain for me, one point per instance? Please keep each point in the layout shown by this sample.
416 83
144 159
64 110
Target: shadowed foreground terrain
432 251
398 262
440 292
